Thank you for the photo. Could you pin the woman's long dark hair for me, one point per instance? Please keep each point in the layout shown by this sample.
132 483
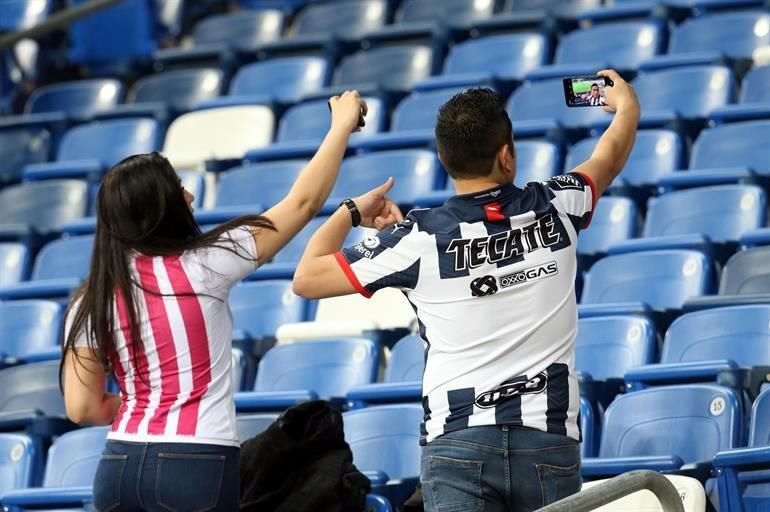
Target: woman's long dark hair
141 207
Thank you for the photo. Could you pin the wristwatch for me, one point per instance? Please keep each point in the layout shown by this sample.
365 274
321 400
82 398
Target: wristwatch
354 213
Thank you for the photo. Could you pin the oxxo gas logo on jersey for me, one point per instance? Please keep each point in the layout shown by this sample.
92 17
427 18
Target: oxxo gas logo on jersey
529 274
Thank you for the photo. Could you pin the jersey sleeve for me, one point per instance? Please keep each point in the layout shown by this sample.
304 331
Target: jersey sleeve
234 256
389 259
574 194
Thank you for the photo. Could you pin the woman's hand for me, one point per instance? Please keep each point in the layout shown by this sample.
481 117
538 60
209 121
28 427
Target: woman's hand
376 209
347 111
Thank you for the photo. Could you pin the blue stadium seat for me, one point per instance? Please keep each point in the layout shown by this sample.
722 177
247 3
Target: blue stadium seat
59 268
666 427
402 381
742 473
89 150
30 394
754 100
590 429
671 10
22 14
20 146
375 503
710 38
613 285
303 127
38 210
621 46
742 145
69 472
614 220
297 372
78 100
21 461
537 109
30 330
496 61
238 368
700 345
385 444
552 16
285 80
251 425
14 263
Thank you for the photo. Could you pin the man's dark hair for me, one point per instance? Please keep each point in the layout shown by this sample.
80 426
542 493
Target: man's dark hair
470 129
594 85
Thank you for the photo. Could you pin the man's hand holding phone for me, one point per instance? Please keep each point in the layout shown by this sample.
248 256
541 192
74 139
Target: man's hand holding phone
620 96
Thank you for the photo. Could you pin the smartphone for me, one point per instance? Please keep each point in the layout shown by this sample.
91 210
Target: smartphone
585 91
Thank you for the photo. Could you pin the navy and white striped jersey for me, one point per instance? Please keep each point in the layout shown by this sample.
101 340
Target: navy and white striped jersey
492 279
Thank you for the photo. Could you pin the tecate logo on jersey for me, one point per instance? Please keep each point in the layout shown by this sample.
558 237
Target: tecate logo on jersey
530 274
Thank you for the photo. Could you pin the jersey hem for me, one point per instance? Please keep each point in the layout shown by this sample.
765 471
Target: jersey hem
147 438
594 199
348 271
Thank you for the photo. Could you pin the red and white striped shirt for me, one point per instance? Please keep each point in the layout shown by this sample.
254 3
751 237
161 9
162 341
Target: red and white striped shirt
178 387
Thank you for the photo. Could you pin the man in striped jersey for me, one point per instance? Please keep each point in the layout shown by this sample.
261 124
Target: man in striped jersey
491 276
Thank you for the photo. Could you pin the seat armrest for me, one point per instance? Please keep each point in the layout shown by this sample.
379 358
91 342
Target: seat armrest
48 497
595 468
675 373
254 401
386 392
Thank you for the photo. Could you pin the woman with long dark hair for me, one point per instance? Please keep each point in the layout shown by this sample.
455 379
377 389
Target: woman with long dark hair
154 313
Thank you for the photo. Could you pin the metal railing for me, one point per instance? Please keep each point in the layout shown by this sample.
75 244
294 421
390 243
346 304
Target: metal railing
618 487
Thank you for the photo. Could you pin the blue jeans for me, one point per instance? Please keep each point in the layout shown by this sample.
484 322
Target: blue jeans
167 477
498 468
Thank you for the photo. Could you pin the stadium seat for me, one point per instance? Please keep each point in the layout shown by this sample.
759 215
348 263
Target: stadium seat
22 14
666 427
224 133
621 46
754 99
59 268
303 127
590 429
30 397
385 443
500 62
21 462
551 16
700 345
614 220
14 263
742 473
455 13
20 146
376 503
296 372
69 473
671 10
284 81
34 211
620 283
731 149
402 381
713 37
251 425
30 330
89 150
258 308
238 369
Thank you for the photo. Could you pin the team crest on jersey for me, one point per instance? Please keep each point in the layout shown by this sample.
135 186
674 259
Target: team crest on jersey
567 181
512 388
372 242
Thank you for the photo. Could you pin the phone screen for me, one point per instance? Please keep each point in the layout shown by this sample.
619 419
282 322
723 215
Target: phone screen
584 91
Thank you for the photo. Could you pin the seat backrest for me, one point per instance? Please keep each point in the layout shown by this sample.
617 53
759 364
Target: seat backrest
109 141
692 92
310 121
260 307
14 263
447 10
346 18
739 333
677 274
419 111
747 271
536 161
396 68
20 14
74 456
245 30
606 347
622 45
756 85
287 79
32 386
342 309
759 427
19 147
407 360
250 425
589 427
238 368
723 213
20 459
733 34
218 133
544 100
733 145
330 368
614 220
45 205
508 56
385 438
692 422
180 89
27 326
80 99
195 183
264 184
64 258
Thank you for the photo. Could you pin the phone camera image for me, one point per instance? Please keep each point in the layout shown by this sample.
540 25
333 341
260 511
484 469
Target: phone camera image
585 91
